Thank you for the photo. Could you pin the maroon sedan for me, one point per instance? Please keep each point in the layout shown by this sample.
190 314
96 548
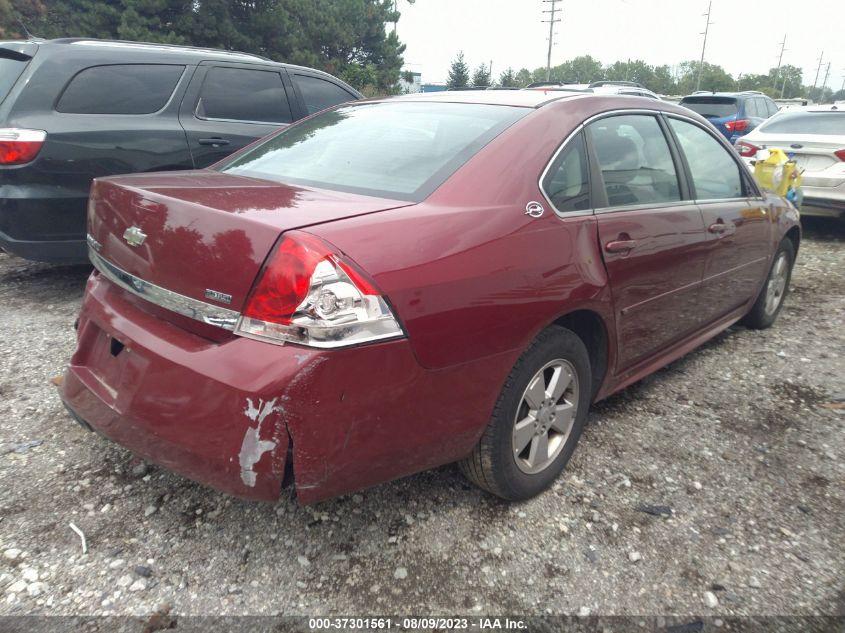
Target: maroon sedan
397 284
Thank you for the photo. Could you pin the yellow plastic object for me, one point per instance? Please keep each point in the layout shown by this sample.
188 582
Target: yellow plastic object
777 173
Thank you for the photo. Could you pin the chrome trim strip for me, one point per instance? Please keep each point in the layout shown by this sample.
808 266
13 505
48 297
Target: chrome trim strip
186 306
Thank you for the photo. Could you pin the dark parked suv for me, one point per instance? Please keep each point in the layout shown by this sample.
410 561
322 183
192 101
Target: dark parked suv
74 109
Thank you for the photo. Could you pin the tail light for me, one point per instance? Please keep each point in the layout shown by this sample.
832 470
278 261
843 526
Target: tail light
19 146
737 125
746 150
309 294
840 154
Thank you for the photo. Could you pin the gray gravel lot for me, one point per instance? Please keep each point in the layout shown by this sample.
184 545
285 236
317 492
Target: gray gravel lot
743 441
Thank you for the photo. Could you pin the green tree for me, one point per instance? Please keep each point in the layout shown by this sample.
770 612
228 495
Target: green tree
347 38
712 77
458 73
18 15
481 77
523 77
508 79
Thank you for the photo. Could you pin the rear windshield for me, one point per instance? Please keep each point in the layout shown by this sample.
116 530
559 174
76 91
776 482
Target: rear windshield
400 150
827 123
10 70
714 107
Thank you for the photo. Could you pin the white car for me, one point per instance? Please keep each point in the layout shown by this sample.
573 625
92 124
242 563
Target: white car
815 135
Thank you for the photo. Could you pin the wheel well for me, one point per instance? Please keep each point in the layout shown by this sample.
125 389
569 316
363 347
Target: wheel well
794 236
590 328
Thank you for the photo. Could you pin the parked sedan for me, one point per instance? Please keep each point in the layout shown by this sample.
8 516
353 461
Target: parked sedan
397 284
815 135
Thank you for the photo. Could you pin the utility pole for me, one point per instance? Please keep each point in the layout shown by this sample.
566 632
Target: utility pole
704 45
824 85
777 70
816 80
551 22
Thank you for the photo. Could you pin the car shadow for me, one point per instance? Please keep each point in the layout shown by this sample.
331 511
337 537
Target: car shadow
22 280
823 229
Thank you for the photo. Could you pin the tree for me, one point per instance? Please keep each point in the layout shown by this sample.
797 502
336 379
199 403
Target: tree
481 77
712 78
347 39
523 77
18 16
508 79
458 73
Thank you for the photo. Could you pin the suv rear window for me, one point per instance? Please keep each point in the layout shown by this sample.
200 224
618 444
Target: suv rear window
10 70
394 150
120 89
239 94
714 107
828 123
319 94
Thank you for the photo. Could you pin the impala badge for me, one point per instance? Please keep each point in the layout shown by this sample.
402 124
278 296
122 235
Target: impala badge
222 297
134 236
534 209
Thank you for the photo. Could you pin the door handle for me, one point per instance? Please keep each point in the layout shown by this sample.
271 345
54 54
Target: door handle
718 227
620 246
213 141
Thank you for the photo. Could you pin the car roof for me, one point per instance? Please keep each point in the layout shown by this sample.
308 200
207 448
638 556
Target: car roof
735 95
533 98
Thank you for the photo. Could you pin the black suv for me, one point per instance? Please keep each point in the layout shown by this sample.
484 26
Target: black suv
76 109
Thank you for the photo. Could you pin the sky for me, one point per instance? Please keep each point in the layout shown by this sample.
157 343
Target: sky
744 37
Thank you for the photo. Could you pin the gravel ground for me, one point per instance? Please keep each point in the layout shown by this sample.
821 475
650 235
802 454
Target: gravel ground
714 487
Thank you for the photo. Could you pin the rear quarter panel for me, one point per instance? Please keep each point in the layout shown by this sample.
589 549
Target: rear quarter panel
469 274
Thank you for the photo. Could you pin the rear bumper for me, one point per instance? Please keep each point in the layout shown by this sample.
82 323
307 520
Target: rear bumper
226 413
43 223
818 206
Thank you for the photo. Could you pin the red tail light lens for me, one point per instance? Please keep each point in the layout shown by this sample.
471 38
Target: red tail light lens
19 146
840 154
739 125
746 150
309 294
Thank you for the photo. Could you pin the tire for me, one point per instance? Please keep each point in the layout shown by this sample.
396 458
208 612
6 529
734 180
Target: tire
769 302
502 463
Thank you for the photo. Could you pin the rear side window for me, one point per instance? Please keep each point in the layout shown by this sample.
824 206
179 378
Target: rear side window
566 183
713 107
120 89
636 165
829 123
10 70
319 94
715 174
240 94
752 108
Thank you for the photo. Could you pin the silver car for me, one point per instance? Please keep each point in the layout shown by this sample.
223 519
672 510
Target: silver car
815 135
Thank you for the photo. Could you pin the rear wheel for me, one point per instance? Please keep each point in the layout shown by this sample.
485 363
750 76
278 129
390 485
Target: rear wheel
537 421
770 300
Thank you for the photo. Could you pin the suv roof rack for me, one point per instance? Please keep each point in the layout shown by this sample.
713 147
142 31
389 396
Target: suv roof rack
630 84
182 47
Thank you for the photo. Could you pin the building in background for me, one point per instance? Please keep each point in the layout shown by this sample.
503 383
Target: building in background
410 87
433 87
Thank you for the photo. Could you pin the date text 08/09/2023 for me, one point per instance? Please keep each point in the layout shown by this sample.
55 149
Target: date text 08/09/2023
410 624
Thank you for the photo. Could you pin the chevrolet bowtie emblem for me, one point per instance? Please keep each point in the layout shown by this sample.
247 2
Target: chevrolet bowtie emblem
134 236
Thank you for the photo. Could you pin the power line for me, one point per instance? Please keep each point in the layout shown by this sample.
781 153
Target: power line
704 45
551 22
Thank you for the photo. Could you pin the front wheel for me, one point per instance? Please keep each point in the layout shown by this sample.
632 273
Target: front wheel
770 300
537 420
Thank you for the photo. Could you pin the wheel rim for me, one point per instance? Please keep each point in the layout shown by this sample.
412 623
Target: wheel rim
776 285
545 416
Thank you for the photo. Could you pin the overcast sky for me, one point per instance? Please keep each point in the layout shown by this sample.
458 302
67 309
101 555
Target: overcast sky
744 35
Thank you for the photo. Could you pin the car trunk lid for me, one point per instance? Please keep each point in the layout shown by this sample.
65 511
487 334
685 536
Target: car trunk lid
811 153
205 235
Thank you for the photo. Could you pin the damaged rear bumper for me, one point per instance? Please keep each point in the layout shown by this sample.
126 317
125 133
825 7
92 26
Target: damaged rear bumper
229 413
207 410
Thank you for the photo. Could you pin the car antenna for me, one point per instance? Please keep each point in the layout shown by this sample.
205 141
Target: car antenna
26 32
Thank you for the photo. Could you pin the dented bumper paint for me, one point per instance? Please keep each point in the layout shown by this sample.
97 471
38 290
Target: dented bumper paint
229 413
